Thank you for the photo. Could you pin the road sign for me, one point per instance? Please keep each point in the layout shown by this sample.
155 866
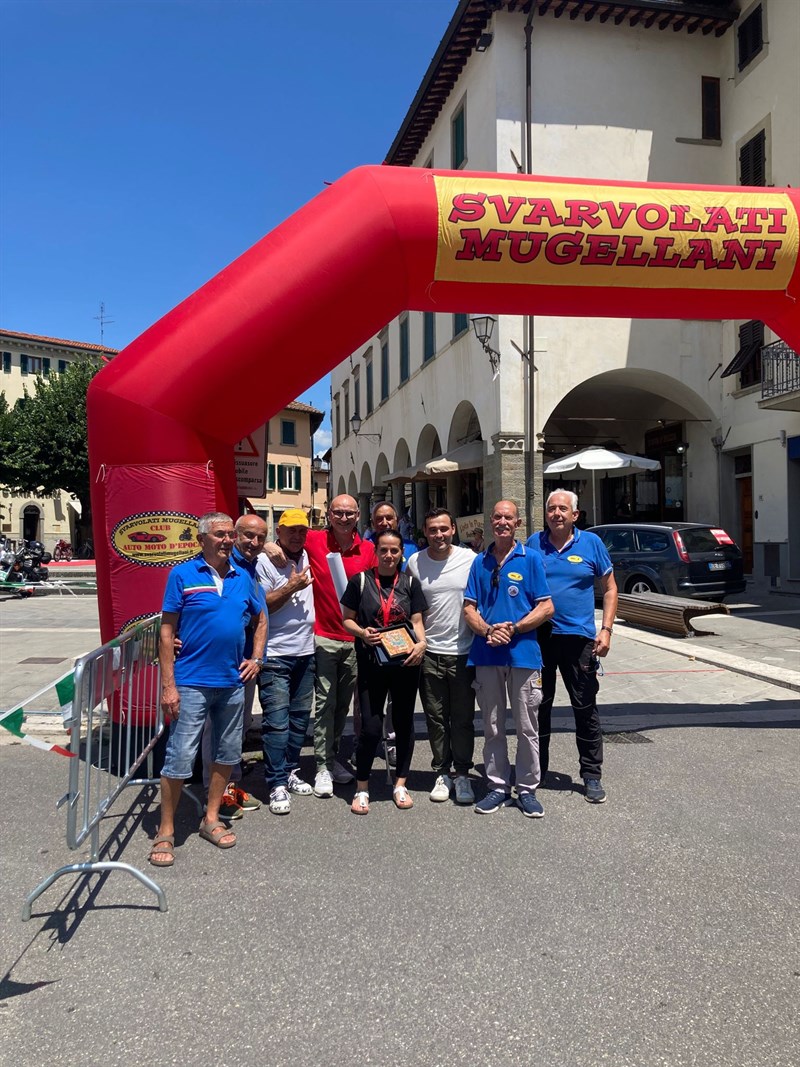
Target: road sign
251 463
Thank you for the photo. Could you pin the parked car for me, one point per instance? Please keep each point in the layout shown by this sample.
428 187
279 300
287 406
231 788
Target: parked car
677 558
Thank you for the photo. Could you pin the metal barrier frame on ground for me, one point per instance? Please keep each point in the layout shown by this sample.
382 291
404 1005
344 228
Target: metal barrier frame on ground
117 701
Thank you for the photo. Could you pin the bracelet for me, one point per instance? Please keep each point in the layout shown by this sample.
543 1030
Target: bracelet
516 629
488 633
608 629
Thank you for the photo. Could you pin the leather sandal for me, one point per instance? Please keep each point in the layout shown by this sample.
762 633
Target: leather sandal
360 805
162 850
215 831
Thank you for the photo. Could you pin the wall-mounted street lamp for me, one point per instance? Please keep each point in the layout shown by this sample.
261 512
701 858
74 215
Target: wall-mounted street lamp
681 448
355 423
483 326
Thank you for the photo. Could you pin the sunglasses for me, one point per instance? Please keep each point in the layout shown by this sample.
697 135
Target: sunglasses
496 578
345 514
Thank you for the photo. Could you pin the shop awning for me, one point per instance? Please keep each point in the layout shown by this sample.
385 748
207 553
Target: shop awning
468 457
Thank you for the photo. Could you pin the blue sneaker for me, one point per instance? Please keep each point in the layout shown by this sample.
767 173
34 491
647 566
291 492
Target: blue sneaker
593 791
493 801
531 808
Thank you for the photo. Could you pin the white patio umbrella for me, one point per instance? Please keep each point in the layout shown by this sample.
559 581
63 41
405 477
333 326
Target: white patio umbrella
591 460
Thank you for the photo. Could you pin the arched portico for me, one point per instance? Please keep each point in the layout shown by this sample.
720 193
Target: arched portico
646 413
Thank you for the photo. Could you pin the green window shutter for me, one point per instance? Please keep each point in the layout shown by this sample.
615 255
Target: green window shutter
23 364
298 475
271 477
62 366
6 363
46 367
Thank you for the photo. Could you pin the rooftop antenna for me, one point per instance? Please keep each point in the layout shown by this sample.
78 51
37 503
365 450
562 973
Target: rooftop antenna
101 318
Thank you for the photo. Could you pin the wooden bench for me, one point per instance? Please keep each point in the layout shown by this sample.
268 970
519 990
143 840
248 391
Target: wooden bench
669 613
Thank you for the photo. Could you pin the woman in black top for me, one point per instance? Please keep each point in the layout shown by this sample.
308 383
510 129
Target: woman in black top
372 601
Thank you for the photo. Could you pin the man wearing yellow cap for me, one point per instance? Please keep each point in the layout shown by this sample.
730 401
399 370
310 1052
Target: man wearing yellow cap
286 682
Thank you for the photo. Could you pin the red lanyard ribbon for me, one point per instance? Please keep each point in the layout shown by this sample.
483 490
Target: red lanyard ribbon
386 602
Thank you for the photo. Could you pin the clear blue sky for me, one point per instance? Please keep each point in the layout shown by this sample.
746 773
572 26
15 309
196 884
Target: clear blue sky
147 144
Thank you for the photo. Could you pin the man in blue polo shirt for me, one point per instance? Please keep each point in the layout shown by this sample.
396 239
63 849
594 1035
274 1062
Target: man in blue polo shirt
212 602
506 599
572 559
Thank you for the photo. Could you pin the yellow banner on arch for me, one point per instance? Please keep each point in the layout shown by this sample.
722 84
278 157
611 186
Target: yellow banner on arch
548 233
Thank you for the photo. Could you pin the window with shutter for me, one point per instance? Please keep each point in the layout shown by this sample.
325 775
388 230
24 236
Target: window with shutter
405 357
429 336
747 361
753 160
460 324
750 37
6 363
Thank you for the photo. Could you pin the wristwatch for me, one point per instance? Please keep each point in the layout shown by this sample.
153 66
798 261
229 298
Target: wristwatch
608 629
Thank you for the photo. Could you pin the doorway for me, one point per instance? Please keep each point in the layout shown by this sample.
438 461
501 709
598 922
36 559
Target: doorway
31 519
744 489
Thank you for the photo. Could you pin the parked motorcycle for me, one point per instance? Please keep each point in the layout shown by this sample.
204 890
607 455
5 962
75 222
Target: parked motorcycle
26 565
62 551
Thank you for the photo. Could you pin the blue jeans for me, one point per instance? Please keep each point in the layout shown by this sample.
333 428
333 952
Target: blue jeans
224 708
285 689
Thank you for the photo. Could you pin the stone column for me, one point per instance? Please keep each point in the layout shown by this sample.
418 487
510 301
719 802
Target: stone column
504 478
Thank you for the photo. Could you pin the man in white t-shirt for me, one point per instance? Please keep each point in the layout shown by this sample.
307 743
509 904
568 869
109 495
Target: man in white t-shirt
448 698
286 682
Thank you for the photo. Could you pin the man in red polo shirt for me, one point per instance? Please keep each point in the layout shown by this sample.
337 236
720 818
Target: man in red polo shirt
334 648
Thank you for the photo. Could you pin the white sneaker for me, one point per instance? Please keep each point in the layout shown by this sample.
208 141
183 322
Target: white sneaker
280 803
340 774
323 783
464 793
441 790
298 786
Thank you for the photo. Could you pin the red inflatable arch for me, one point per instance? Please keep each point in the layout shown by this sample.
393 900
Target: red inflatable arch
165 415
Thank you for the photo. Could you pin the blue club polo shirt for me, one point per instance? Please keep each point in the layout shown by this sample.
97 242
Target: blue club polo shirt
238 560
211 627
520 585
570 574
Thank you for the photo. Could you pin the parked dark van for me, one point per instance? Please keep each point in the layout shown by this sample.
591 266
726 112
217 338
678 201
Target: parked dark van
678 558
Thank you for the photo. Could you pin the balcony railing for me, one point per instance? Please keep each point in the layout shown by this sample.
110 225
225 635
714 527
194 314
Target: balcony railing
780 370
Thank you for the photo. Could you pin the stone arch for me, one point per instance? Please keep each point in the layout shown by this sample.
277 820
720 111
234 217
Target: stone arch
428 444
464 425
642 412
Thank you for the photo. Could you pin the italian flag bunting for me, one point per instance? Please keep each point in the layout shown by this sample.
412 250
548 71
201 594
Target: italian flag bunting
14 720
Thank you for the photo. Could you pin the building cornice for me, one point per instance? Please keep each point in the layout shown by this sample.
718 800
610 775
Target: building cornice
472 17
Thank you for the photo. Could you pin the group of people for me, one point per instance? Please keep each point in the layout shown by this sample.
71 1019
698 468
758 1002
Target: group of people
250 617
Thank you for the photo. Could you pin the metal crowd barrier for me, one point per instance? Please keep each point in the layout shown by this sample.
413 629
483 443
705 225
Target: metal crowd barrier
115 723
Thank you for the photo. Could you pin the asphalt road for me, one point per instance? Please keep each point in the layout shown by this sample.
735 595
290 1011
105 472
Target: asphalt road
658 929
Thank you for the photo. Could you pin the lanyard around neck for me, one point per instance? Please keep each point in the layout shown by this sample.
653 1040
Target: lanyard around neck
386 601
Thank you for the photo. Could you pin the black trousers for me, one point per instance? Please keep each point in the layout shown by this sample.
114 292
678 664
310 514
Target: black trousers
374 684
571 656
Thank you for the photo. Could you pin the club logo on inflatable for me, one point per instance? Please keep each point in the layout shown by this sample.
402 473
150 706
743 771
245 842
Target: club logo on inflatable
156 539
